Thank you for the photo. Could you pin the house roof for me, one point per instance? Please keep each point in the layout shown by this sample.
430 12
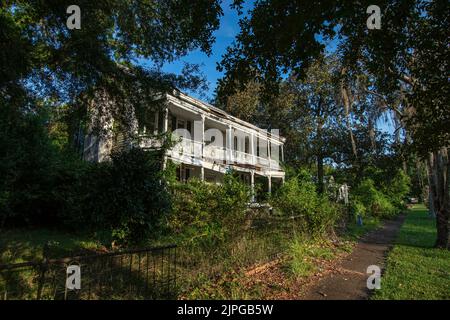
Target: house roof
222 113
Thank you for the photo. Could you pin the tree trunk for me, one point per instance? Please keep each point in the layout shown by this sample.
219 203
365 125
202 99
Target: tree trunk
347 108
430 190
440 194
320 187
320 124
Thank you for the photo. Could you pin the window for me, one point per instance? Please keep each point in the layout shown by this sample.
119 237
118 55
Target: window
213 138
188 126
173 123
247 144
181 124
257 146
147 124
187 174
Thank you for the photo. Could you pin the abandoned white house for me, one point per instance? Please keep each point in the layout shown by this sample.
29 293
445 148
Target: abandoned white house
209 142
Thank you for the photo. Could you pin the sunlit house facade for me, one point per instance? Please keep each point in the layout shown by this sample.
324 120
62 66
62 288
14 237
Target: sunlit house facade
209 142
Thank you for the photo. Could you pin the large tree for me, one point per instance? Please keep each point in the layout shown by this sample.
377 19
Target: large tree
310 113
46 68
317 105
41 56
409 55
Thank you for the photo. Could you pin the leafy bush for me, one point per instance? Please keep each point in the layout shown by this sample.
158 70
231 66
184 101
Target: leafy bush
299 198
295 198
367 198
26 156
128 195
233 198
208 213
357 207
398 188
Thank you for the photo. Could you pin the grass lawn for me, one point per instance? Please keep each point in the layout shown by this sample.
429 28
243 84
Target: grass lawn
416 270
354 232
20 245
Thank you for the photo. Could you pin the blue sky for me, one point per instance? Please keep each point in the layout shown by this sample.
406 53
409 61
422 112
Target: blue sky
224 36
228 29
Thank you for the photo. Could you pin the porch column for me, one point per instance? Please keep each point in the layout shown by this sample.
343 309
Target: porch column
252 184
252 148
202 128
199 137
165 128
229 144
282 153
166 120
155 131
269 184
269 153
203 137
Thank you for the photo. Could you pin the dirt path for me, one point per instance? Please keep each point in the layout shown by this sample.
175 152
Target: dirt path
348 279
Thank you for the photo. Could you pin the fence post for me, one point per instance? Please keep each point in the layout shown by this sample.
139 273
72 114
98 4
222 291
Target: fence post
42 269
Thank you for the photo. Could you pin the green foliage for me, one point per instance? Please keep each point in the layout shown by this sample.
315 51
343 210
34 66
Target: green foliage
410 49
128 195
384 200
416 270
209 213
45 184
298 198
112 32
26 156
398 188
302 254
366 196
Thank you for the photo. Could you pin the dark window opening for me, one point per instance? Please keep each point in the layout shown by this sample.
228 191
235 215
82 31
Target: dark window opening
247 145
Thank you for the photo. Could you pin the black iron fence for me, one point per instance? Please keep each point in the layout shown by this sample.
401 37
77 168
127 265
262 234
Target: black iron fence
133 274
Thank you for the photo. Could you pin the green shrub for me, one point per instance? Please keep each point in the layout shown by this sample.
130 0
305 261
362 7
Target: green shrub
325 217
376 203
128 195
382 207
357 207
192 203
398 188
26 157
295 198
298 198
233 198
208 213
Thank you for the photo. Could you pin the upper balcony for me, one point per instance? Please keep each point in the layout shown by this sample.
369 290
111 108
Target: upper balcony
191 149
206 134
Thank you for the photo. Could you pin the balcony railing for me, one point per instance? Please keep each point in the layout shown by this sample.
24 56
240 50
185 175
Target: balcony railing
275 164
211 153
214 153
242 157
264 162
187 147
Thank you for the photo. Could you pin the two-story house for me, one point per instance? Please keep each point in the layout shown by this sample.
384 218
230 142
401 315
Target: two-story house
209 142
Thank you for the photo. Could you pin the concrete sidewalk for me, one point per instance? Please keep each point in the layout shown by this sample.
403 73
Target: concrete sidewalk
348 280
